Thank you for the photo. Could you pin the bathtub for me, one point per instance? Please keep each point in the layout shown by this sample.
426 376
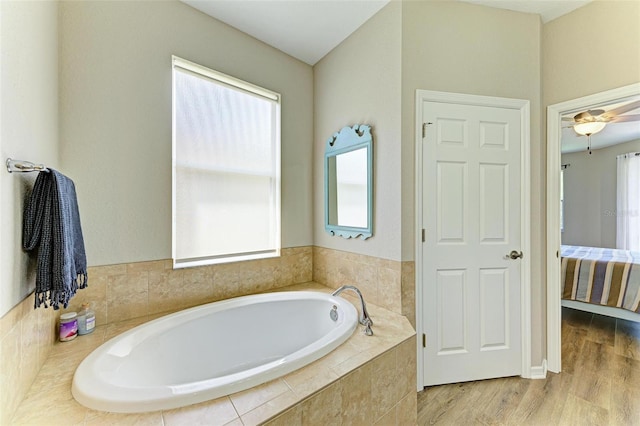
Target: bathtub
212 350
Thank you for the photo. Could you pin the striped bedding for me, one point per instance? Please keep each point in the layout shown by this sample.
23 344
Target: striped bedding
601 276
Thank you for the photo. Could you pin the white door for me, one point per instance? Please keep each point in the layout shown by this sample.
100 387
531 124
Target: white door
471 213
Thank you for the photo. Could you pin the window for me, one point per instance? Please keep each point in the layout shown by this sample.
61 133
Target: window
562 200
226 168
628 202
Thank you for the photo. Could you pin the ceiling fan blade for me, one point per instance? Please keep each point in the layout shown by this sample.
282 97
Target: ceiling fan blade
622 118
567 119
624 108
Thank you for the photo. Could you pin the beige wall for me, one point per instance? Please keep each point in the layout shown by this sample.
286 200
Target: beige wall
115 118
590 196
590 50
359 83
593 49
28 127
464 48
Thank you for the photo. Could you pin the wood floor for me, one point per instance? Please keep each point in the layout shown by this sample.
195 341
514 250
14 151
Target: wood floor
599 384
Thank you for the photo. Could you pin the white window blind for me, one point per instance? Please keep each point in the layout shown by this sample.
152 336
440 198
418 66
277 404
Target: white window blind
628 202
226 168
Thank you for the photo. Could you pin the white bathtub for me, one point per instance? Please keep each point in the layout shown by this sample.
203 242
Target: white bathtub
212 350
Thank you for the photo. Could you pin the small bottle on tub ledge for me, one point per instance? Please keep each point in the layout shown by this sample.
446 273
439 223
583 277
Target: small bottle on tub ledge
68 326
86 320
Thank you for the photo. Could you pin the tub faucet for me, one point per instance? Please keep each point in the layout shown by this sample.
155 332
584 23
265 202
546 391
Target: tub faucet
365 319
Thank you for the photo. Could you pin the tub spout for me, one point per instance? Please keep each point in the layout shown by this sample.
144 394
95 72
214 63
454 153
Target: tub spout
365 319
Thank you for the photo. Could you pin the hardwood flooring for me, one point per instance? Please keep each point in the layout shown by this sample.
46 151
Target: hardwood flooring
599 384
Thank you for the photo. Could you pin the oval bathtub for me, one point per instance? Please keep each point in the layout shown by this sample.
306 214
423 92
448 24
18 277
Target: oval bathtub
211 351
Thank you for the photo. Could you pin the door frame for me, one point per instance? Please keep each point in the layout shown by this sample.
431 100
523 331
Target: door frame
525 306
554 134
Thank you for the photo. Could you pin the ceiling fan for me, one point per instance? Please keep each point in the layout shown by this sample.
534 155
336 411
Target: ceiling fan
587 123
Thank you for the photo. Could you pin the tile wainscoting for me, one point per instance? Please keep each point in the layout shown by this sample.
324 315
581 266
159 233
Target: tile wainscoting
367 380
142 290
386 283
26 338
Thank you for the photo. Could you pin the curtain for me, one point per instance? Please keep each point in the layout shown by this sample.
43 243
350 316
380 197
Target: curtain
628 202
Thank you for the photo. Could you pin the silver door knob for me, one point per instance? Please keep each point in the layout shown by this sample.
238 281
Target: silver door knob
515 255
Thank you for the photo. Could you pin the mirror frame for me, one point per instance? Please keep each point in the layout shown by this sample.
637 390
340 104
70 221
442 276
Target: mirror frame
346 140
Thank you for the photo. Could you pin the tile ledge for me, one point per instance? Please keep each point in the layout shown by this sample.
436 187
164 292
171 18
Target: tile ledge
393 329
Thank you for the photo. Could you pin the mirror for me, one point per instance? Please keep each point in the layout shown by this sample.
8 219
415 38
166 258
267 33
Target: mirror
348 183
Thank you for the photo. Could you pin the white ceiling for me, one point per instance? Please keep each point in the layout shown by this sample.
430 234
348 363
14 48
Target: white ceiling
309 29
613 134
547 9
304 29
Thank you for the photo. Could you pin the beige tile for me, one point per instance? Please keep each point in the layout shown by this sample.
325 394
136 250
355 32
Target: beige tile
37 408
10 385
408 285
116 328
246 401
47 333
407 409
95 295
304 382
384 384
356 397
352 363
323 408
226 282
390 290
166 290
217 412
388 419
336 357
406 366
63 360
29 350
15 315
309 379
198 286
291 417
84 343
96 418
295 266
366 280
270 409
128 297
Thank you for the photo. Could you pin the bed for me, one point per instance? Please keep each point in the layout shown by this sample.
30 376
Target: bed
601 280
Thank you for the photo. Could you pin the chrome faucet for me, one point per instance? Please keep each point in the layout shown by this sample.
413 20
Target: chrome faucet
365 319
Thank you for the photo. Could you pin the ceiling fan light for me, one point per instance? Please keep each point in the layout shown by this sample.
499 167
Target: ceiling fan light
589 128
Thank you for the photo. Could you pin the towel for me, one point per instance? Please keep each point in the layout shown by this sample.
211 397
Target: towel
51 224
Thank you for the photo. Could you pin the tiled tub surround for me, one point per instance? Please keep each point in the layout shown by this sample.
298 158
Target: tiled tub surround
367 380
386 283
27 336
127 291
133 290
143 289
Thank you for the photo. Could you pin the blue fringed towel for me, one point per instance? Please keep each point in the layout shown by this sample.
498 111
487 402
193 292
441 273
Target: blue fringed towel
51 224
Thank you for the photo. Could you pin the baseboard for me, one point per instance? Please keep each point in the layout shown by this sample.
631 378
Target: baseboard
539 372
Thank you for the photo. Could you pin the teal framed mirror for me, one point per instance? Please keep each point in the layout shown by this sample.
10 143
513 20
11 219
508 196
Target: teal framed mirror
348 183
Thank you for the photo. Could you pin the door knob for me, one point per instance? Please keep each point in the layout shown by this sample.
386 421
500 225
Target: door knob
515 255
